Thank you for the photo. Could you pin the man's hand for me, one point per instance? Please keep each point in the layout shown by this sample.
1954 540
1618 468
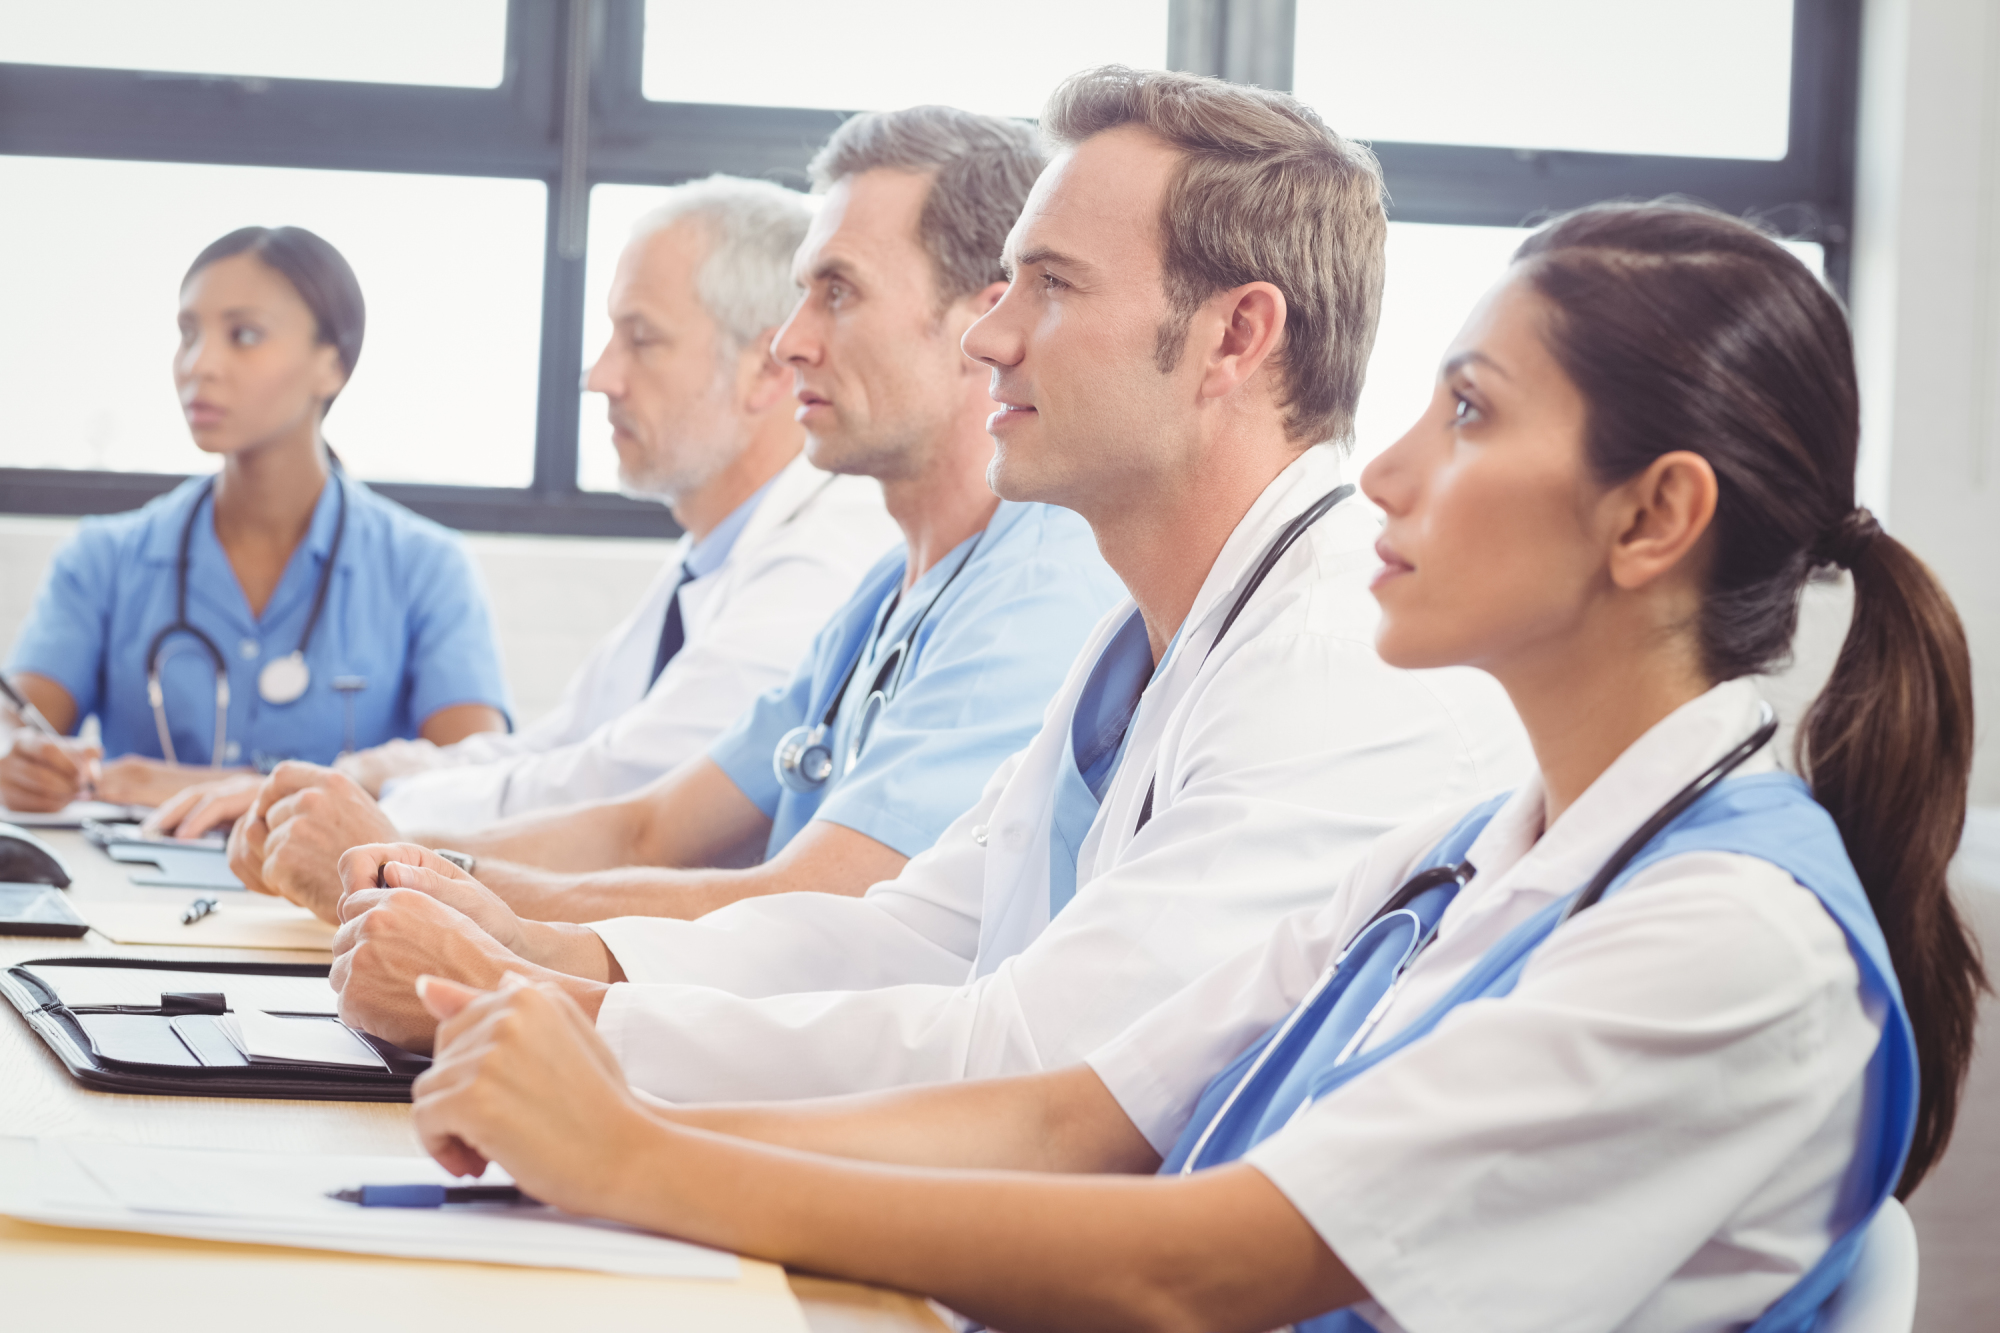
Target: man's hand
204 807
42 773
405 865
392 937
522 1078
373 767
290 840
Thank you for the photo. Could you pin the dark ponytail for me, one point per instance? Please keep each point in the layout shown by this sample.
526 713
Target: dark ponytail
318 273
1688 330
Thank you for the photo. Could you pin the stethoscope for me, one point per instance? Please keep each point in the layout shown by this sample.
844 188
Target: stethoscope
1280 544
282 680
803 760
1425 881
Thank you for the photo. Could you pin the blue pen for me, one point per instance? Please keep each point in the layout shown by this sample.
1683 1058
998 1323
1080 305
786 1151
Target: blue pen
431 1196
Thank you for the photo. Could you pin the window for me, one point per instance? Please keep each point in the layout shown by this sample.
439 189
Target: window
460 43
614 210
490 156
865 55
450 268
1697 78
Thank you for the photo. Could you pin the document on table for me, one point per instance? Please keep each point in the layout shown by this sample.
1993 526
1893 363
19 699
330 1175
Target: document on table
73 815
280 1199
267 1039
243 922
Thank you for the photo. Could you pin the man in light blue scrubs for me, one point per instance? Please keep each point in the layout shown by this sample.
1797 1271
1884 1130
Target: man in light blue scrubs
938 668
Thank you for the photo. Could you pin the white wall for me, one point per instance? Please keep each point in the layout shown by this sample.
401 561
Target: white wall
1927 312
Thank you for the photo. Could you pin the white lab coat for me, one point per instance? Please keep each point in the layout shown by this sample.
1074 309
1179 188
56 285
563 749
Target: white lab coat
1279 757
1654 1131
796 561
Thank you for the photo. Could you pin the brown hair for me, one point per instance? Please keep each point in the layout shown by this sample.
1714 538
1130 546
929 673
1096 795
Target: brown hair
983 168
1689 330
1265 193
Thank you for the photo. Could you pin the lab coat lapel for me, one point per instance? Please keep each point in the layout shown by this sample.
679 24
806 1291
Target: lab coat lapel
1148 762
1015 900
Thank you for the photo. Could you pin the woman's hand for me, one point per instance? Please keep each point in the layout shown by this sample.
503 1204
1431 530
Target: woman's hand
133 779
204 807
522 1078
43 773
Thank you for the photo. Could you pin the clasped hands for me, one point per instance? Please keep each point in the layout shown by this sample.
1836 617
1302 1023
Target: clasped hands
405 912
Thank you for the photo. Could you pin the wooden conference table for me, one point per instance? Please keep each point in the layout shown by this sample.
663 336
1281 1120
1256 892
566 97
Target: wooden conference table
82 1281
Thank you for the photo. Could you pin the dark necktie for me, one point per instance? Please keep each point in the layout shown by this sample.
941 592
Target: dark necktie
672 635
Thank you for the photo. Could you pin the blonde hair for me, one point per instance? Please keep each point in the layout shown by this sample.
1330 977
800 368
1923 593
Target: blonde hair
1265 193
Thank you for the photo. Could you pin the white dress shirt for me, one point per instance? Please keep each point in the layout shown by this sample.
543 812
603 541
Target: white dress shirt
747 624
1276 760
1654 1131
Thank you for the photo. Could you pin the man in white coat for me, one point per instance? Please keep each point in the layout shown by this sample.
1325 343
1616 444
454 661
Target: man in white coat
701 416
1194 288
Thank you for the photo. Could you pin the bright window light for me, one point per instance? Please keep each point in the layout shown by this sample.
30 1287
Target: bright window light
459 43
450 268
1696 78
872 55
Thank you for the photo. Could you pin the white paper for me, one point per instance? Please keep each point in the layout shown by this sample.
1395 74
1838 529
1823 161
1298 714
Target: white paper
138 987
268 1039
73 815
280 1199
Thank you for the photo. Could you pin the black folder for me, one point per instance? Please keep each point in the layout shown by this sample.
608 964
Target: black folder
172 1047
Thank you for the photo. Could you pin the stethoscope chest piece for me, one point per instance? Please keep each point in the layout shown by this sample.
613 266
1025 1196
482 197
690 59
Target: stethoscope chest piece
284 679
804 759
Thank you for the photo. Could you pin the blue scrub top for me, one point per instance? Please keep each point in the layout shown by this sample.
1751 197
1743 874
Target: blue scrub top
988 658
404 612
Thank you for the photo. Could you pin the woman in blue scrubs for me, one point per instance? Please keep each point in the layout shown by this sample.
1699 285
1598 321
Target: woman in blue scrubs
277 609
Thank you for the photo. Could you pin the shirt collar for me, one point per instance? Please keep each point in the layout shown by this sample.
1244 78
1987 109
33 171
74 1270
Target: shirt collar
712 551
1514 853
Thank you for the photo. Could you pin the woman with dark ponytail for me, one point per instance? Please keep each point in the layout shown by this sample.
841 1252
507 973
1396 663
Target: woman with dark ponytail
1624 1049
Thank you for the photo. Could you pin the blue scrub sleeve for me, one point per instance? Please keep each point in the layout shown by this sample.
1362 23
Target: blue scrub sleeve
65 634
983 680
743 752
453 658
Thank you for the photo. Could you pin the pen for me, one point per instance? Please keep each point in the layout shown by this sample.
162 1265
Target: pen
29 713
33 717
431 1196
198 909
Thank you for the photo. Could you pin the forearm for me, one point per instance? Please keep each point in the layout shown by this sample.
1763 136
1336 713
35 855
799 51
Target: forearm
1219 1250
597 836
1061 1121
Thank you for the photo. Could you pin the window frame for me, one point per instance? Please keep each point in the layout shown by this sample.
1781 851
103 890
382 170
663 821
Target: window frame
570 112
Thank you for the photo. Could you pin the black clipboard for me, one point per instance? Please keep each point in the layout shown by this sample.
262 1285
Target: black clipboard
165 1051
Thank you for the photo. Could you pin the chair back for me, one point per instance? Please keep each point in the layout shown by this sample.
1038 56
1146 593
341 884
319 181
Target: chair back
1880 1294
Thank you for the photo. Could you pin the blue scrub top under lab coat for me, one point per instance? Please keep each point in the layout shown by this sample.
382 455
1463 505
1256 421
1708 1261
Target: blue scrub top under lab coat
988 658
404 612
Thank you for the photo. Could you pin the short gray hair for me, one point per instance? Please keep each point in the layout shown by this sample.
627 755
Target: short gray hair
1264 192
981 168
753 228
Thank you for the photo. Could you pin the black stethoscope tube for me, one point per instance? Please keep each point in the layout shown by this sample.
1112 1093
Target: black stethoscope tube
155 692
